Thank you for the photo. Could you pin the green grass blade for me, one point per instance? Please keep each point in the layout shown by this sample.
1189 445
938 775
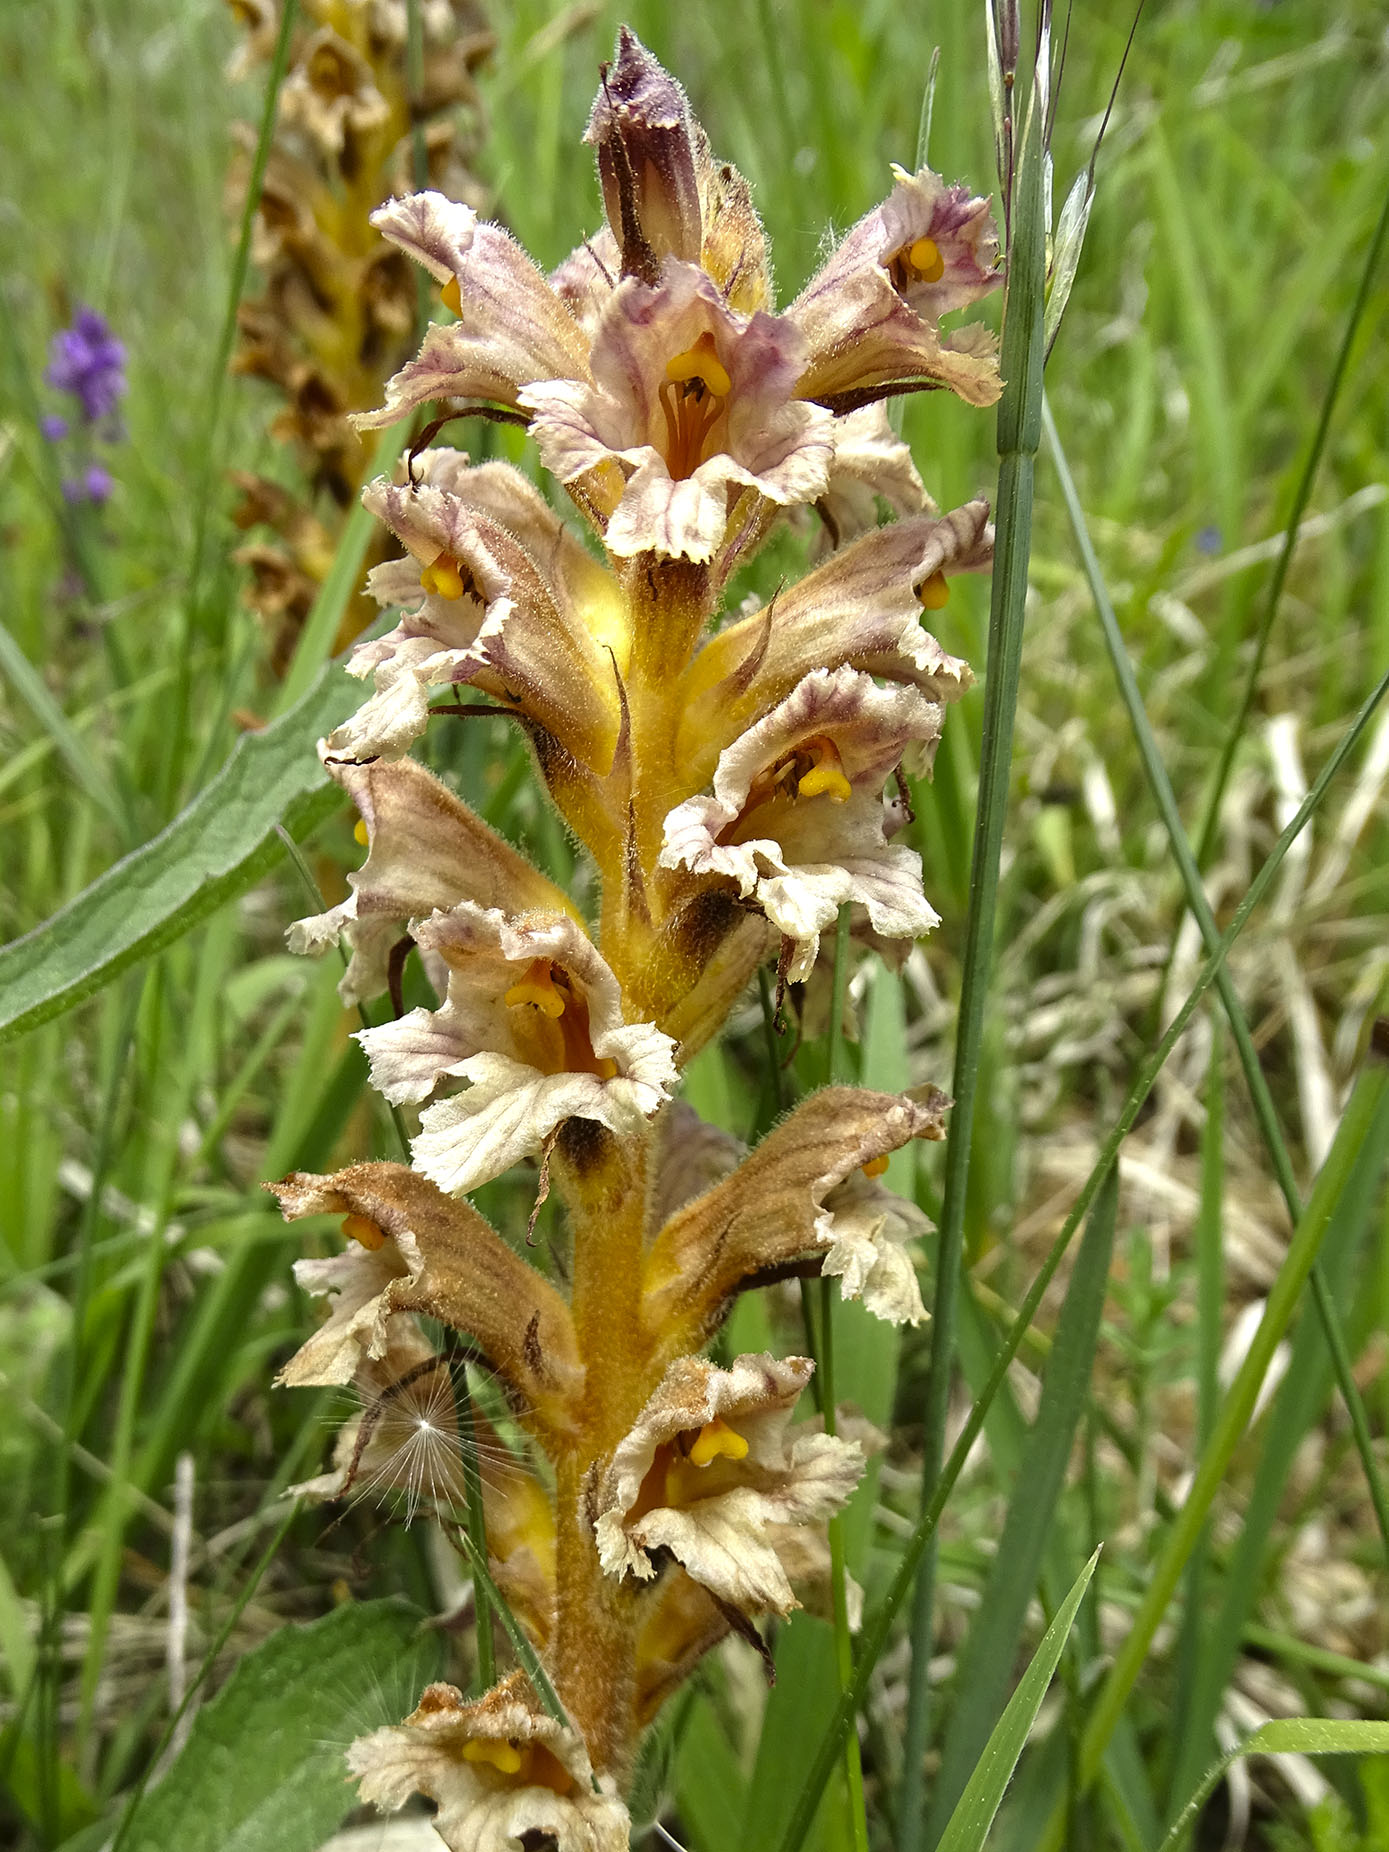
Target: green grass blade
970 1822
1301 496
984 1665
1259 1092
1299 1736
1019 434
1300 1402
1360 1114
876 1631
220 845
31 688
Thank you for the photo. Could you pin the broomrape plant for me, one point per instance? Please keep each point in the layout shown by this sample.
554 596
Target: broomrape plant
736 784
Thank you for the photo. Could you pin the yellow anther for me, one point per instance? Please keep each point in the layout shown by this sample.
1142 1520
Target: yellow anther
361 1229
538 987
452 296
504 1757
716 1440
444 578
926 260
934 593
875 1166
826 776
359 832
701 362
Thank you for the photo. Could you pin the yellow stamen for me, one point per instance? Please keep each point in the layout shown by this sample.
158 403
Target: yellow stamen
701 362
875 1166
537 987
504 1757
363 1230
716 1440
826 777
925 259
444 578
452 296
359 833
934 593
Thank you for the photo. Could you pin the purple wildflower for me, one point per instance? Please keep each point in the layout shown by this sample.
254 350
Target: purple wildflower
88 361
54 428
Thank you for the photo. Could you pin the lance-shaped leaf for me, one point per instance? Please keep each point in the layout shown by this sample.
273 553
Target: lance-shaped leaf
222 843
411 1248
772 1210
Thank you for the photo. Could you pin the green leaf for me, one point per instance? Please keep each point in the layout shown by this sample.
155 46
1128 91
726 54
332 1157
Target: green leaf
218 846
988 1655
972 1818
263 1768
1291 1736
710 1787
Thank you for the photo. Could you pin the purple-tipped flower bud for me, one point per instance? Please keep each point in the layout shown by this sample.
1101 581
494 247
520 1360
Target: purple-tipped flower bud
645 138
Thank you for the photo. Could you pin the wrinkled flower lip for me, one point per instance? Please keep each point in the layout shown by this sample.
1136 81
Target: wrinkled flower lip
683 443
711 1474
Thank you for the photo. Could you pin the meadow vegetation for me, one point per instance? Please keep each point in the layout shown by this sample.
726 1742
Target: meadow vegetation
1179 1393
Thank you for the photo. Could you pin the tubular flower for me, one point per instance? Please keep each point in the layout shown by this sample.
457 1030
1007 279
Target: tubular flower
533 1021
694 403
500 1771
871 316
425 851
498 594
733 778
797 817
711 1473
410 1248
512 327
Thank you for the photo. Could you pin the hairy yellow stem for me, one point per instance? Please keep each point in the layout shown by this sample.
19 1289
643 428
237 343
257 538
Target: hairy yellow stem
594 1658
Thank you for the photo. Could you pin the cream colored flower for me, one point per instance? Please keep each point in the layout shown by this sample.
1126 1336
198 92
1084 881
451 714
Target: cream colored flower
866 1227
797 817
862 609
533 1021
694 403
503 1774
498 594
712 1470
871 316
512 328
775 1213
426 850
410 1248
